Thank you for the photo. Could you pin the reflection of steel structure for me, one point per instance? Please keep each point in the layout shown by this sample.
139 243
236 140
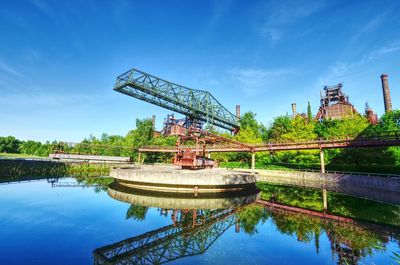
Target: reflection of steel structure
346 255
73 184
27 180
182 239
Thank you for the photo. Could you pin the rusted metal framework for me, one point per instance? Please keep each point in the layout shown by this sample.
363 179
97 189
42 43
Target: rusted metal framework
198 105
390 138
182 239
334 103
195 158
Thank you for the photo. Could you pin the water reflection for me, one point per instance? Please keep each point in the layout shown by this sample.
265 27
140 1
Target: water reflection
196 223
350 240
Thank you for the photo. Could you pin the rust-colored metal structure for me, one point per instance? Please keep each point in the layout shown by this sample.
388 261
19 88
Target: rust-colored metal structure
198 157
371 116
390 138
238 112
386 93
198 106
334 104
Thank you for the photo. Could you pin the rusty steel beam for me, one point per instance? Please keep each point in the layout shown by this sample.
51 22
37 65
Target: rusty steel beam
320 144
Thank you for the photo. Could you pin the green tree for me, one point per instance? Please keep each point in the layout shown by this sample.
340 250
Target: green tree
280 126
309 113
390 121
9 144
137 212
340 129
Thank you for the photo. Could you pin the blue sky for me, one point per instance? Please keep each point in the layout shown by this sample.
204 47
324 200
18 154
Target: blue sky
59 59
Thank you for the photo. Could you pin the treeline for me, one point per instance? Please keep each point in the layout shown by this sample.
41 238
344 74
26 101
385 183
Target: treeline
288 129
282 129
112 145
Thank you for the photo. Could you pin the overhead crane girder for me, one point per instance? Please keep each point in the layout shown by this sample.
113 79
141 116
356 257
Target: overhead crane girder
196 104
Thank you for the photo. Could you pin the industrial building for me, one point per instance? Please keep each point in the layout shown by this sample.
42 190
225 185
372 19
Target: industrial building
335 104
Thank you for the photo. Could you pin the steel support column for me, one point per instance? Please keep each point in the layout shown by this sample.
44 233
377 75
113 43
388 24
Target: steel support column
253 160
321 156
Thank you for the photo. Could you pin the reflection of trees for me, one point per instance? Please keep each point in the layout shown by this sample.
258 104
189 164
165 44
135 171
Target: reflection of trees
304 227
100 184
293 196
338 204
349 242
250 217
136 212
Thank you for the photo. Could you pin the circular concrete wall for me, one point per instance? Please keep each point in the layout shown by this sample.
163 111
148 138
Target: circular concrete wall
171 179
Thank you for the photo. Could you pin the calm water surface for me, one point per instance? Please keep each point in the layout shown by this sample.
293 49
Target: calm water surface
63 223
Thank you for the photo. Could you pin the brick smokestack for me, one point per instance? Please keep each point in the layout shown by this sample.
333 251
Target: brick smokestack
154 122
238 112
294 110
386 93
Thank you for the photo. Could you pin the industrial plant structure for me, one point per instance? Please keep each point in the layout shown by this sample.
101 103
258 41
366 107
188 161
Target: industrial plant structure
335 104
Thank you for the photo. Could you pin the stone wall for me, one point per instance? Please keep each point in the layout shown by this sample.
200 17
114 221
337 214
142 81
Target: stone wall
380 188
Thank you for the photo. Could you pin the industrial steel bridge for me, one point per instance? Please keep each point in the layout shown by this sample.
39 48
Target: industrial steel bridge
390 138
377 141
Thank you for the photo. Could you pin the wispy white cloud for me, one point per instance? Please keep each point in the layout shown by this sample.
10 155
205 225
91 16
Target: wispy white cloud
350 69
254 81
277 16
218 12
48 9
383 51
43 7
8 69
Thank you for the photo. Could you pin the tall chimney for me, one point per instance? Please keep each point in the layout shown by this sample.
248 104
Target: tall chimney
238 112
154 122
293 110
386 93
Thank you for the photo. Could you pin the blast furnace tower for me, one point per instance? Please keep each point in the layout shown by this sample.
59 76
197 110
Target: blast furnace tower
334 104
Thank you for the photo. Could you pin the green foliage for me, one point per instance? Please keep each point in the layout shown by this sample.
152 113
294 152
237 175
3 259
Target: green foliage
251 131
338 204
161 157
283 129
21 169
279 127
250 217
299 197
340 129
390 121
309 113
9 144
136 212
299 130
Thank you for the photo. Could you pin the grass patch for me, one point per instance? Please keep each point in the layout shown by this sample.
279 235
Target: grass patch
14 155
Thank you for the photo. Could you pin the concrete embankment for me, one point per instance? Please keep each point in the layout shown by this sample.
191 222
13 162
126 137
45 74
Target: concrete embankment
380 188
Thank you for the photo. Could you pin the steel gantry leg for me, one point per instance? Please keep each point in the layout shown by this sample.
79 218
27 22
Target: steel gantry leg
253 160
325 199
321 156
